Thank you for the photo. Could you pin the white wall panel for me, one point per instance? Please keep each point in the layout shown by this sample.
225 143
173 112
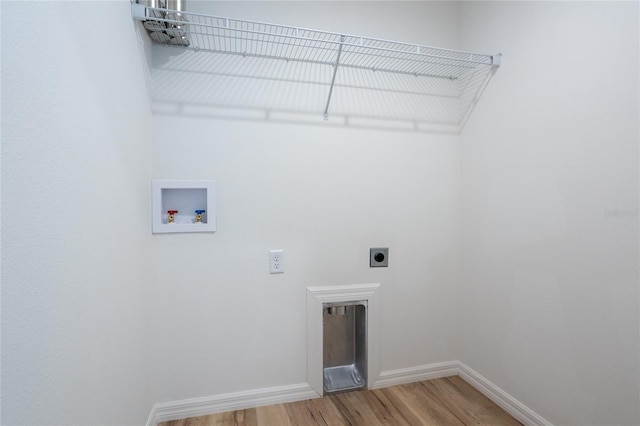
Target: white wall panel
76 142
550 296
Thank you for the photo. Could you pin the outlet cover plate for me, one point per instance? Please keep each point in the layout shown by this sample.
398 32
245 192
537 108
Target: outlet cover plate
379 257
276 261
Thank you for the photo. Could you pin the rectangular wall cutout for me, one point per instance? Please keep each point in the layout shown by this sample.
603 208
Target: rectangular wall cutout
337 298
183 206
344 346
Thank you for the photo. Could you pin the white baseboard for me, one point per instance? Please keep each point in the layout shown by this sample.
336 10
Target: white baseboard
416 374
194 407
151 420
518 410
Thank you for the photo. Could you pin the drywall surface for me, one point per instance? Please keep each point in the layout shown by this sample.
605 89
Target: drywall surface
550 209
427 23
76 142
324 195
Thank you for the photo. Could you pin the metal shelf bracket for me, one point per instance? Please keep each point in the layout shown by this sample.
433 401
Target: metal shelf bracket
496 60
138 11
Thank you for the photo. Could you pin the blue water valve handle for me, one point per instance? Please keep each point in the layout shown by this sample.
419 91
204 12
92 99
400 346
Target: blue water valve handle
199 215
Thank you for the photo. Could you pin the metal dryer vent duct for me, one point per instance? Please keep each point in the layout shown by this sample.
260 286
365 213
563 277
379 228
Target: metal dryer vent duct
164 22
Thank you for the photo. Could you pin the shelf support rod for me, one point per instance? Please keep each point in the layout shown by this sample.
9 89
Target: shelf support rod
333 79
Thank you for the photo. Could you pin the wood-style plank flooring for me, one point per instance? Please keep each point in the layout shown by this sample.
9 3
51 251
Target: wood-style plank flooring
446 401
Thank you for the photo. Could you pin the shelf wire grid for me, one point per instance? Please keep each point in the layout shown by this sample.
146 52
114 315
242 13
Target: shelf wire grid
375 78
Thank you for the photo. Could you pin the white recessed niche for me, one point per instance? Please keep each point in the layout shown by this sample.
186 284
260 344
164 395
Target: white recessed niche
317 298
190 202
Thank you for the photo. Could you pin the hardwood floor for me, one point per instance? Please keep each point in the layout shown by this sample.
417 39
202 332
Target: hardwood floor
446 401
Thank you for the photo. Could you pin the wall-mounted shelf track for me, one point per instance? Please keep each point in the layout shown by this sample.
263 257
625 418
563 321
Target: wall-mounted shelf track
311 71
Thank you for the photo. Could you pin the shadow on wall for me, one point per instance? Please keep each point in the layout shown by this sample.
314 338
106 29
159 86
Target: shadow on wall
234 86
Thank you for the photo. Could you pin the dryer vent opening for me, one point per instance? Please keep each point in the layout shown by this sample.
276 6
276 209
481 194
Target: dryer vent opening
344 346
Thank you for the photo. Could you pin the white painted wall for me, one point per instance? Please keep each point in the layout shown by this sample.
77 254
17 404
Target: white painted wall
323 194
431 23
76 142
550 296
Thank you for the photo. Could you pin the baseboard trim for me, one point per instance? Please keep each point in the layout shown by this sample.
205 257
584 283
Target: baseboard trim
151 420
194 407
174 410
416 374
518 410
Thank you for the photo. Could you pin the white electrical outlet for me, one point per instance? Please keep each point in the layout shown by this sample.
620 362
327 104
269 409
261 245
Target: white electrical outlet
276 261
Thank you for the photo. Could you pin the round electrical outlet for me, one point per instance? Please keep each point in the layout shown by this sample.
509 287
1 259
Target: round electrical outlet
379 257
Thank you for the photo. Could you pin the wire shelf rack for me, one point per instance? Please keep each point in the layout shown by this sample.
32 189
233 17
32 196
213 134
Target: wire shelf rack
341 74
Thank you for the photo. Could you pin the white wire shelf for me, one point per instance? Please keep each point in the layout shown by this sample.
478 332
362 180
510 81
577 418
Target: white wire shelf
341 74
